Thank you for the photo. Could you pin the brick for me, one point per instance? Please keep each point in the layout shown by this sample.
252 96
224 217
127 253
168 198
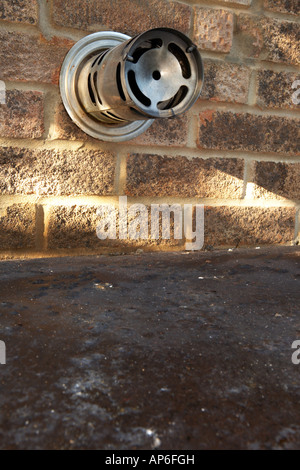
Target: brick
129 16
225 82
238 226
19 11
63 127
54 172
247 132
154 175
169 132
269 39
283 6
76 227
276 180
22 115
213 29
17 227
73 227
25 57
274 89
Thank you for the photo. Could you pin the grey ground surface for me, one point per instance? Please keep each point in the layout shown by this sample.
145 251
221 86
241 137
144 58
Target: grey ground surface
151 351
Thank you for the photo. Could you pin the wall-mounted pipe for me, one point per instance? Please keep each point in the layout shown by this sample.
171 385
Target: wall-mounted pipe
114 86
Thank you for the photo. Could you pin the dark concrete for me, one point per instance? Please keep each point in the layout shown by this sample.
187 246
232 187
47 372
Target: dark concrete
140 352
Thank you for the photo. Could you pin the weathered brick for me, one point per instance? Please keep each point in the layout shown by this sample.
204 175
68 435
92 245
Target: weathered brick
169 132
73 227
153 175
283 6
19 11
248 132
274 89
225 82
269 39
22 114
76 227
26 57
276 180
17 227
213 29
64 128
238 226
129 16
50 172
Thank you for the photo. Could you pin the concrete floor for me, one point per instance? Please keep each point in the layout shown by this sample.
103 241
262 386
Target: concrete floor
173 351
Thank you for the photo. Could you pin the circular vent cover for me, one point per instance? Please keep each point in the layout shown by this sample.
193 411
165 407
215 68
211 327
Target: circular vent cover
113 86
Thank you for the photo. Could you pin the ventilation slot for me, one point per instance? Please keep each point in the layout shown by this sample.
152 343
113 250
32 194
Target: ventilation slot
95 61
136 90
144 47
175 101
95 76
102 56
110 114
182 59
119 83
91 92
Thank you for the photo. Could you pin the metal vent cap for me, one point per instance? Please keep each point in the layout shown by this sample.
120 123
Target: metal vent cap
113 86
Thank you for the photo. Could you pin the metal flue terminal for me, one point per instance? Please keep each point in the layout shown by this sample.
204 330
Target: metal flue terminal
114 86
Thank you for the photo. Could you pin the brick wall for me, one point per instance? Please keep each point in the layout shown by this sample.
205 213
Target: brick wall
236 151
